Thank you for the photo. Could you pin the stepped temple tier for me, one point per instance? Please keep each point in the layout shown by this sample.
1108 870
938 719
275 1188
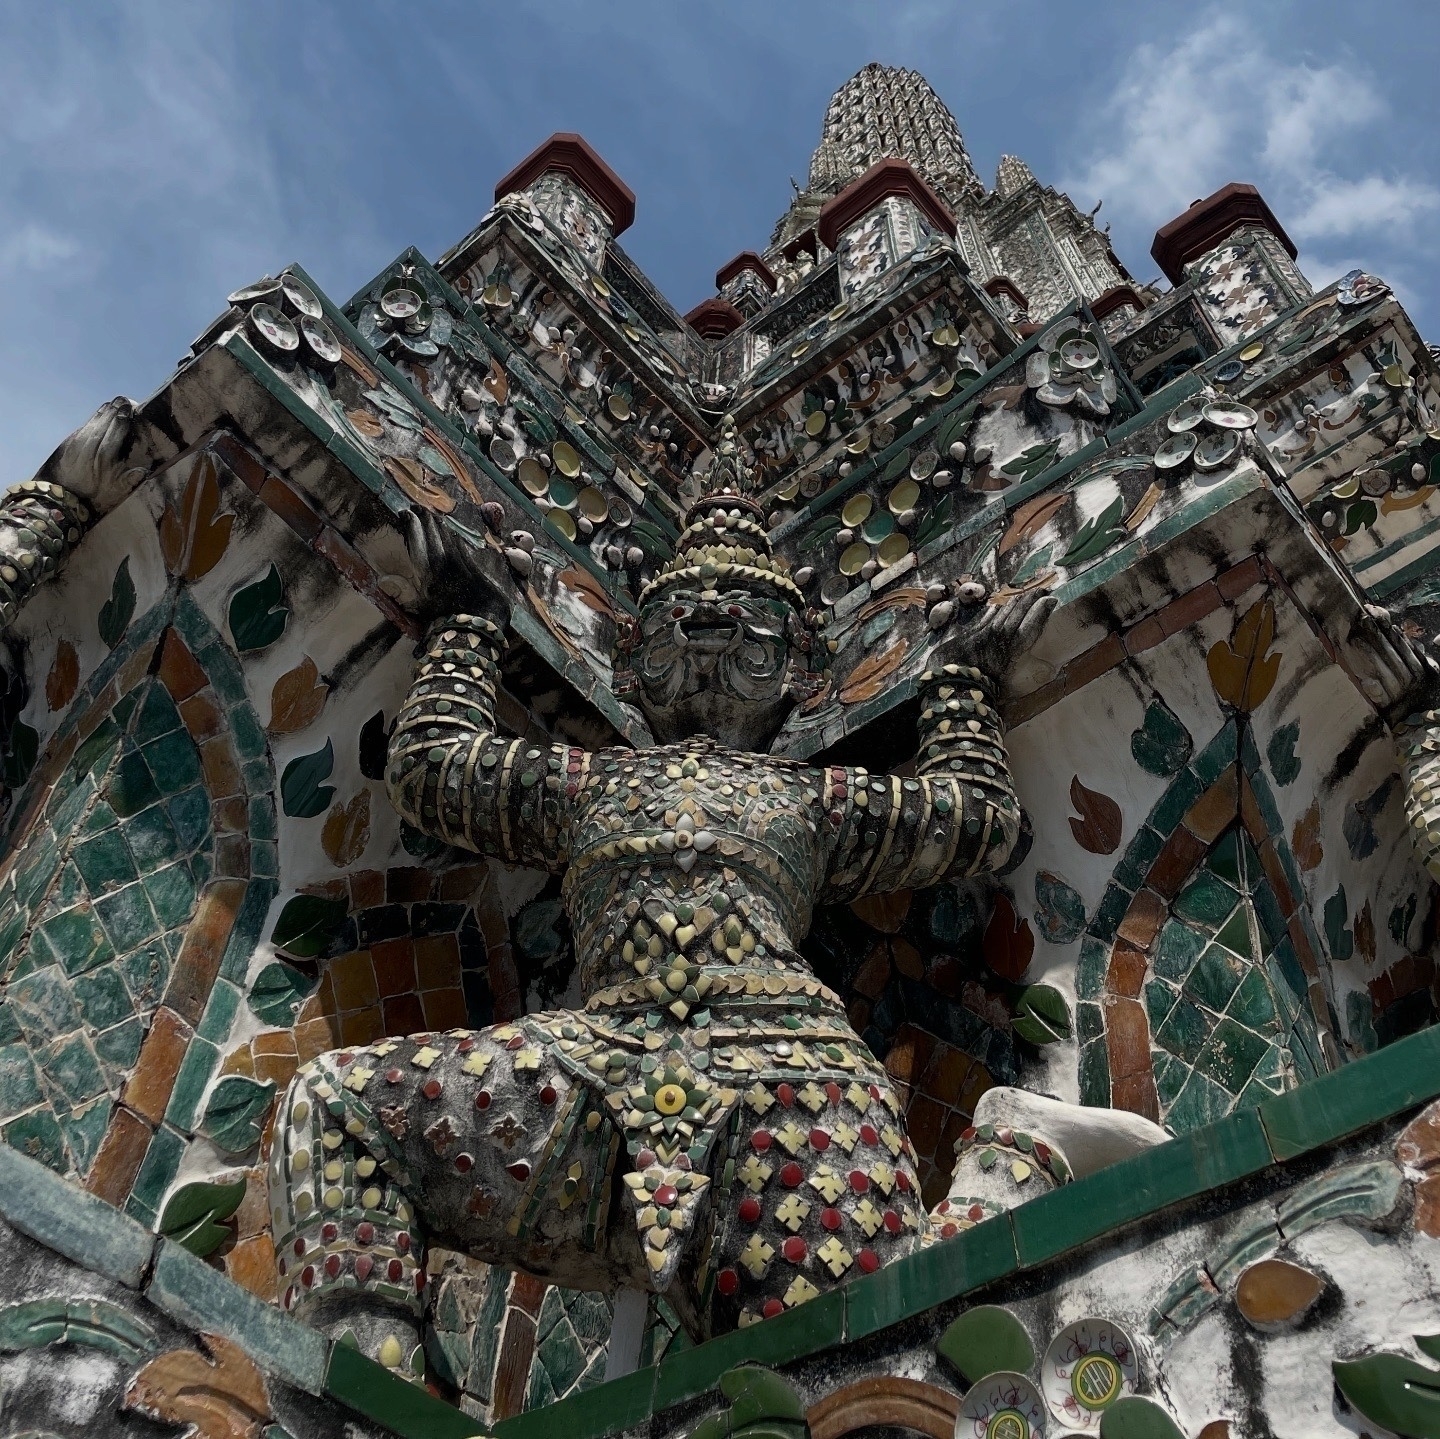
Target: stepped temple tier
859 861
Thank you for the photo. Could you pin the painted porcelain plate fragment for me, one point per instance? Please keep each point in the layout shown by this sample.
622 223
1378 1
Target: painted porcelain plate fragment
1087 1367
1001 1406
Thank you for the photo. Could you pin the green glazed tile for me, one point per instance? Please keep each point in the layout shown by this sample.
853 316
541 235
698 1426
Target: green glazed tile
120 1046
1184 790
71 1067
1185 1032
1109 912
1206 900
43 1004
1095 1074
1399 1077
264 858
607 1409
105 862
200 1062
19 1083
10 1029
171 893
1159 1000
1089 1022
1234 934
248 735
1170 1075
157 1169
262 818
130 787
220 1011
942 1272
76 939
152 839
1231 1055
190 814
1139 856
146 973
71 1222
1215 978
158 715
378 1394
1144 1184
1216 757
128 919
174 762
84 1130
37 1135
259 776
1090 970
1199 1103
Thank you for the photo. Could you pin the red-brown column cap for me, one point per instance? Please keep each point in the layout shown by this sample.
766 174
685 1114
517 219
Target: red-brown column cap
887 177
714 318
1208 222
745 260
571 155
1116 298
804 243
998 285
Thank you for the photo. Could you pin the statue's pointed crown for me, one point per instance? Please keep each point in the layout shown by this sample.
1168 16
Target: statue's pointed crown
724 539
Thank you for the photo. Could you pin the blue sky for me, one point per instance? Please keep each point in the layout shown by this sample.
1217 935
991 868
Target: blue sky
155 156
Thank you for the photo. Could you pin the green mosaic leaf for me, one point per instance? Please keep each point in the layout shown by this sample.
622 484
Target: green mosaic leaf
278 991
20 754
819 534
1428 1344
897 466
1034 461
935 523
1033 565
308 923
954 428
257 616
1041 1015
235 1116
32 1325
1059 911
1392 1391
983 1340
1337 933
756 1394
1133 1416
1401 918
1096 535
302 795
117 612
195 1215
1162 745
1284 762
650 539
98 1324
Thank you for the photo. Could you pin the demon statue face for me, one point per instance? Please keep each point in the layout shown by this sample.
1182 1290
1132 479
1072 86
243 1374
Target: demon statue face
723 644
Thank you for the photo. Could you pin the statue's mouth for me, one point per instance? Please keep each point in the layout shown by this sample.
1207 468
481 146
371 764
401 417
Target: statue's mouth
707 637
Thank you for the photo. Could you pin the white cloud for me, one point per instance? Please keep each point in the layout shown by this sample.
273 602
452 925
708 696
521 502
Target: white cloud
1232 100
36 247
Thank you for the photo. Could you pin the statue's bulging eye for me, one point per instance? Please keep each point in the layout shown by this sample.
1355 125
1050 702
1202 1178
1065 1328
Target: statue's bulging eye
735 610
678 613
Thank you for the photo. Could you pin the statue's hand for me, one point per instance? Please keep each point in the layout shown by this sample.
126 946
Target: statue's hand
1405 676
104 460
992 637
454 574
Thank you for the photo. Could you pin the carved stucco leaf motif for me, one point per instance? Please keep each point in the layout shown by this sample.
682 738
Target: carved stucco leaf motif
1241 670
219 1394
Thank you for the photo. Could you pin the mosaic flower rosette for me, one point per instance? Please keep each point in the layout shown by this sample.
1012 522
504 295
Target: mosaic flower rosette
1002 1405
1088 1366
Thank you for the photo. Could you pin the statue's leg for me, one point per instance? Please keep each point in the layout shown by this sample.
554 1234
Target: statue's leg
481 1142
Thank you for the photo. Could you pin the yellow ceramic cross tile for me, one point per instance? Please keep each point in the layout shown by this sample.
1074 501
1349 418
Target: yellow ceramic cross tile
892 1140
801 1291
756 1256
791 1136
424 1057
884 1176
758 1098
791 1213
754 1173
835 1257
527 1060
358 1078
867 1217
475 1063
859 1096
844 1136
827 1184
812 1097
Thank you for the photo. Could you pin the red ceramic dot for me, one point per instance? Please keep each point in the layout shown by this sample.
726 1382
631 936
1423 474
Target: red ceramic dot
402 1243
832 1092
465 1046
819 1140
975 1212
419 1281
859 1181
363 1265
794 1249
482 1100
365 1233
750 1209
785 1094
727 1281
948 1231
666 1195
875 1092
772 1308
516 1042
760 1141
868 1134
345 1058
393 1076
943 1207
300 1244
332 1266
519 1170
394 1271
892 1222
1042 1152
290 1296
832 1219
903 1180
307 1275
967 1135
547 1094
644 1159
791 1175
431 1089
868 1261
464 1163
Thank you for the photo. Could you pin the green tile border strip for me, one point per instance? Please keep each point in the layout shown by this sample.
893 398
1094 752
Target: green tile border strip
103 1240
1365 1092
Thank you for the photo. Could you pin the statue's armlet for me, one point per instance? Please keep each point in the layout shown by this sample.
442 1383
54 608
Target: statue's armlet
454 776
40 523
956 816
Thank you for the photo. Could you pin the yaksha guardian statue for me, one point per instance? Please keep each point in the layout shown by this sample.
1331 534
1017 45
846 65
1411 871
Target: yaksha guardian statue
709 1125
